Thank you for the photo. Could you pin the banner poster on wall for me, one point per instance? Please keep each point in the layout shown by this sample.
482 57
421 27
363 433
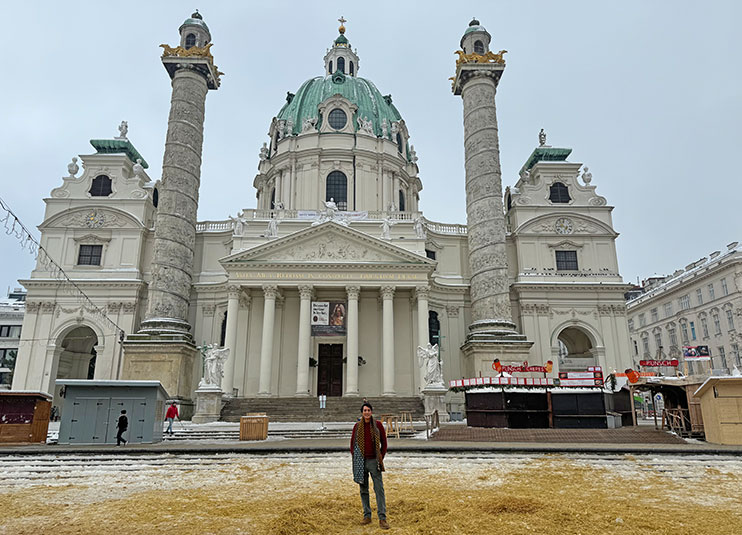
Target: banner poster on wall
328 318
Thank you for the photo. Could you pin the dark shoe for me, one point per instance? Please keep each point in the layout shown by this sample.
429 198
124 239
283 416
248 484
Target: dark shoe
383 524
366 520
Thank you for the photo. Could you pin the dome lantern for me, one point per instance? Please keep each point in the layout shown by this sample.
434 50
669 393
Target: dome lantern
194 32
341 56
476 39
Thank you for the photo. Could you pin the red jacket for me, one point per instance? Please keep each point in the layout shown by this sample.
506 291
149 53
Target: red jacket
172 412
369 452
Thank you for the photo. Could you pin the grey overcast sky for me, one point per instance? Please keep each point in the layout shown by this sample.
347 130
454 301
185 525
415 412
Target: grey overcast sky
647 94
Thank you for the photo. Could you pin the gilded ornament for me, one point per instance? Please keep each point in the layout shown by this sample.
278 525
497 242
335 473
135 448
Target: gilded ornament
489 57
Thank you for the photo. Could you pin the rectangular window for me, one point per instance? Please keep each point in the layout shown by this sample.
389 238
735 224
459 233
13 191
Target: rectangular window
724 289
631 325
699 296
684 332
692 330
645 345
655 315
684 302
705 327
711 292
658 341
430 254
736 355
723 356
642 320
89 255
636 348
7 360
717 324
668 309
730 319
566 260
673 338
10 331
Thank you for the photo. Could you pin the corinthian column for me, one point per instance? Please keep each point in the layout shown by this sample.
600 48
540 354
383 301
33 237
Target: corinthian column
266 349
230 338
351 381
387 344
305 338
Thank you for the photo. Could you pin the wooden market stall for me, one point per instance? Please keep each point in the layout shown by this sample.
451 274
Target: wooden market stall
721 405
24 416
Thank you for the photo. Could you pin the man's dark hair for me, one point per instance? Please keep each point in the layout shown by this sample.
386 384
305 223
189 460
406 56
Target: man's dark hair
366 404
123 411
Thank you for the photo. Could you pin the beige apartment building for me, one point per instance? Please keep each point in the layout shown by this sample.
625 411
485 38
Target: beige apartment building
698 305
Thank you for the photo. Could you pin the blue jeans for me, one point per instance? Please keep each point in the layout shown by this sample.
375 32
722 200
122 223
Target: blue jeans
169 425
372 467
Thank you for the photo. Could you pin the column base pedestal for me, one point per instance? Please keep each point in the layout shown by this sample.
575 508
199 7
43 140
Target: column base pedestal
166 358
434 399
208 405
488 340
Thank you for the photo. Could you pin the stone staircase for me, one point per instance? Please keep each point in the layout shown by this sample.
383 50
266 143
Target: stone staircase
339 409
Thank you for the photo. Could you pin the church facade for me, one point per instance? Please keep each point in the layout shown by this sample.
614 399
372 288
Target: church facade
335 278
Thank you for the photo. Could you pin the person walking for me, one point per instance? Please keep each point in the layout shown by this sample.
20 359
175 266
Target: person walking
122 425
368 447
170 415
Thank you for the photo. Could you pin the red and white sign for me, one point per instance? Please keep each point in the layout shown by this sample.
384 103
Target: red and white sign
592 377
657 363
502 381
520 368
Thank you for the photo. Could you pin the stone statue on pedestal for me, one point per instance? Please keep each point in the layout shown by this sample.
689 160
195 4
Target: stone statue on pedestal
428 357
214 359
123 130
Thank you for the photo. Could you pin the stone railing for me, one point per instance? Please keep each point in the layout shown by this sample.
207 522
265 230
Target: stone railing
567 274
213 226
446 228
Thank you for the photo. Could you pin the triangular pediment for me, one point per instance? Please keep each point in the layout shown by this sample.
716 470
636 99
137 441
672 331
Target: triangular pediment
328 243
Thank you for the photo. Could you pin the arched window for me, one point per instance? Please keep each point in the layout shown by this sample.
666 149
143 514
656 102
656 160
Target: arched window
341 65
330 67
351 69
434 328
273 199
101 186
91 365
401 201
223 333
190 41
155 197
337 189
400 146
558 193
478 47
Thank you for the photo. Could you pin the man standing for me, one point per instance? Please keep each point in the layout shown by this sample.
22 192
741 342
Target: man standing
170 415
368 446
121 426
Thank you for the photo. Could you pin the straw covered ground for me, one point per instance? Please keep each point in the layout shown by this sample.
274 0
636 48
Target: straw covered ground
289 495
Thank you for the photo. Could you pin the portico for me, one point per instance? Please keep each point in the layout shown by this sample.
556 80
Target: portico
380 295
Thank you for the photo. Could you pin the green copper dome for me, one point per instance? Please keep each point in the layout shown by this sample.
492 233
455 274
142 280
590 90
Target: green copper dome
195 20
341 40
361 92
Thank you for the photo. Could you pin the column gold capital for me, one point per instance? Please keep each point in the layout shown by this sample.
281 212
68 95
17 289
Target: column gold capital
353 291
306 291
270 291
387 292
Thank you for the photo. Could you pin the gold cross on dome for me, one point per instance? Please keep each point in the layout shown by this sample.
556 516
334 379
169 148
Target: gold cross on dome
342 20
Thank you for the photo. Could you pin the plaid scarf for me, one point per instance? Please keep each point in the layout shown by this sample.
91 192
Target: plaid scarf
361 441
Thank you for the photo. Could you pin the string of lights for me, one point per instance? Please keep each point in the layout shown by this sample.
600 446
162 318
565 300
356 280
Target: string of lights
14 227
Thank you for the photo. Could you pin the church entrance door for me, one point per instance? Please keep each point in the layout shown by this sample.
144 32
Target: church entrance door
330 370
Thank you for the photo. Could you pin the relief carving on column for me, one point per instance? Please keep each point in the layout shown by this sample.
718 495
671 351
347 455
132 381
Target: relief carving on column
387 292
245 300
452 311
130 307
33 306
353 292
48 306
208 310
114 307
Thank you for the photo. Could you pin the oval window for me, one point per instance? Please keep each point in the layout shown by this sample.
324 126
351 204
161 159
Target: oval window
337 119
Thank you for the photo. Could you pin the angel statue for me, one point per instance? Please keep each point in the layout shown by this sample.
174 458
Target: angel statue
428 357
214 359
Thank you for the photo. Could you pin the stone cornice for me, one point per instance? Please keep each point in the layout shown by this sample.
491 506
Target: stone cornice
87 283
573 286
